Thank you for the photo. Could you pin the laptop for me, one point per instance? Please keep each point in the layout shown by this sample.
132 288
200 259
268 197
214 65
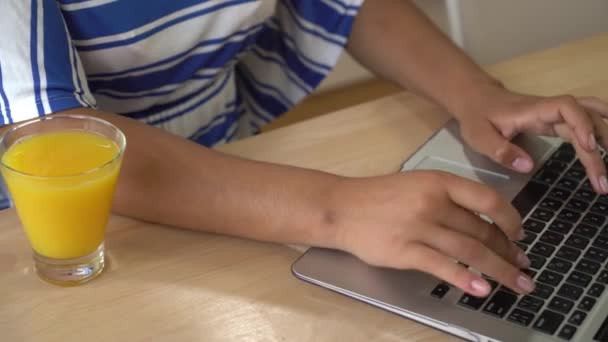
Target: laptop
567 242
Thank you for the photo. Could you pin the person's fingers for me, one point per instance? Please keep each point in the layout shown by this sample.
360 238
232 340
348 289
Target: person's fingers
601 129
474 253
485 139
594 104
592 161
577 118
464 221
482 199
424 258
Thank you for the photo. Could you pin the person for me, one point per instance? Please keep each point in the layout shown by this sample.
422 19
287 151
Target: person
179 77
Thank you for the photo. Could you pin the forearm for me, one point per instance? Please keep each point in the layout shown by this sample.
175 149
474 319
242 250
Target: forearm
170 180
397 41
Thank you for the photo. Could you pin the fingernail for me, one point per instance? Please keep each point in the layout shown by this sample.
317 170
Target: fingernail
592 142
525 283
523 260
603 183
480 287
522 164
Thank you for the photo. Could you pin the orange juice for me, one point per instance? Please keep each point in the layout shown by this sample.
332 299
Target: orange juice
62 184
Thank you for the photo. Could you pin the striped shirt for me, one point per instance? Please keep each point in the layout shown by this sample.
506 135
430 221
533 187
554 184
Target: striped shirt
210 71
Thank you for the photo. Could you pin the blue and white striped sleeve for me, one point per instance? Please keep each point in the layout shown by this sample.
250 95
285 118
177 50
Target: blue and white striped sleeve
293 53
40 71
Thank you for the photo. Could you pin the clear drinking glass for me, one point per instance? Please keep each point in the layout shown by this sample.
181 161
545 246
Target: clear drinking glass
61 173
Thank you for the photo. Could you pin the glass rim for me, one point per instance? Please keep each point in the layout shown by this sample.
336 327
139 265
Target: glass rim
121 145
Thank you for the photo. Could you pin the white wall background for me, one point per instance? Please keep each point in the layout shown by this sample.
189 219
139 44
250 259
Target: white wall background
495 30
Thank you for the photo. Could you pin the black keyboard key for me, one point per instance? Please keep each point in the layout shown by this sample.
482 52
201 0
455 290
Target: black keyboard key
530 303
578 278
551 204
552 238
568 215
568 253
529 196
534 225
550 278
547 176
603 277
585 230
577 241
577 317
585 195
566 147
472 302
604 232
542 214
560 304
576 204
588 266
570 291
555 165
506 289
529 238
603 198
601 242
542 249
548 322
500 303
596 290
559 265
595 254
521 317
536 261
600 208
586 185
586 303
562 227
567 183
542 291
567 332
564 154
559 194
594 220
440 290
575 173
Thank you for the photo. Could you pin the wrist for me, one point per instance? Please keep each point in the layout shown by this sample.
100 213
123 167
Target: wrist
316 220
476 98
336 213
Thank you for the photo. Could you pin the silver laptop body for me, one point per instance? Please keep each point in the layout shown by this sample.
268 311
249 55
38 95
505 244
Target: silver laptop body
408 293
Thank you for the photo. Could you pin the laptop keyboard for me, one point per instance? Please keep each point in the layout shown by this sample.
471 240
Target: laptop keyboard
567 243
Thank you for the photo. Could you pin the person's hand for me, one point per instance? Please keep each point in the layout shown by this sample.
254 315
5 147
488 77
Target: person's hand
425 220
489 124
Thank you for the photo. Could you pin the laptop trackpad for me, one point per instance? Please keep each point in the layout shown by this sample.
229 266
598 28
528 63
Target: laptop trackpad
471 172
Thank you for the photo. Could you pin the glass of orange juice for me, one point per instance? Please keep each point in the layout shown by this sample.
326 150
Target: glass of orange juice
61 172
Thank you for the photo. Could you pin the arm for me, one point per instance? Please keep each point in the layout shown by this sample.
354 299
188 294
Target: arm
398 42
170 180
394 39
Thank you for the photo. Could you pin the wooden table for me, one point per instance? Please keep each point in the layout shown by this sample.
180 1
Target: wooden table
174 285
